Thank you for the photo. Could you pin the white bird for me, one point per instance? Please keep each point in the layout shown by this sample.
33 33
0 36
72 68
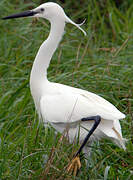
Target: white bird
64 106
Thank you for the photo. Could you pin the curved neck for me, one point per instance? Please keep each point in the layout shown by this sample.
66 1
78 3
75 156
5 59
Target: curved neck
46 51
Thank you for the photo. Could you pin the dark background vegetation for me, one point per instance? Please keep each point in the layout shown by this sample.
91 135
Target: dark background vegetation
101 62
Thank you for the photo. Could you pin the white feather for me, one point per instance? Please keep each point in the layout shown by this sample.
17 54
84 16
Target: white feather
65 106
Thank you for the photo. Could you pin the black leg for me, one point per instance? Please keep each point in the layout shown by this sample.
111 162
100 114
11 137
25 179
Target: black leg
97 120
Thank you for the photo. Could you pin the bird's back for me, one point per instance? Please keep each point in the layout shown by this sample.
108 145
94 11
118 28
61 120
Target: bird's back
66 104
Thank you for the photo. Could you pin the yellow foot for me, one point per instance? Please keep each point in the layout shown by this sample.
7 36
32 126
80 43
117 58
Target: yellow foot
74 166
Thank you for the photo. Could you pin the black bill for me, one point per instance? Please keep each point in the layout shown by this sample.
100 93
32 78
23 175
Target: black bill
22 14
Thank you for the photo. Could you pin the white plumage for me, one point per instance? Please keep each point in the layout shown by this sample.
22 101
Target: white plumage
64 106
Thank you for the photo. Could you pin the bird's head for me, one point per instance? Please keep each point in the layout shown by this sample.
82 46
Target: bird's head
50 11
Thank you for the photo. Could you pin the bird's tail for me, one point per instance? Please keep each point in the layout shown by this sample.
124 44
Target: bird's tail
120 141
112 129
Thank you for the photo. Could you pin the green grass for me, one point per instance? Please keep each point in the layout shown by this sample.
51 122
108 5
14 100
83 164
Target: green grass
101 62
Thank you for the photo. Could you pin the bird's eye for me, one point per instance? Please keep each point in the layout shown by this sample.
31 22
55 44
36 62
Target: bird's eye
42 9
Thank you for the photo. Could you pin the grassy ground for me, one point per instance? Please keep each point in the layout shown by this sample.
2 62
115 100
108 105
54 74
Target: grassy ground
101 62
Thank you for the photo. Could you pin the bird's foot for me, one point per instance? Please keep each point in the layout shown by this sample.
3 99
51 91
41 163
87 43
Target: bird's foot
74 166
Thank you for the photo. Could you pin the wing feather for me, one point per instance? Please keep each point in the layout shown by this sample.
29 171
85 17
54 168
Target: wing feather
71 104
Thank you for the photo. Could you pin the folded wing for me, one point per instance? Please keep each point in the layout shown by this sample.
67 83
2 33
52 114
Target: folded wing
72 104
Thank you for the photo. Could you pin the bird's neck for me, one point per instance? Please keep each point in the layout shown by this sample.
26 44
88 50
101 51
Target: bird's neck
46 51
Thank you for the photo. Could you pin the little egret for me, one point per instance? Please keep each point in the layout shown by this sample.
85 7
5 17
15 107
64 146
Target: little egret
64 106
